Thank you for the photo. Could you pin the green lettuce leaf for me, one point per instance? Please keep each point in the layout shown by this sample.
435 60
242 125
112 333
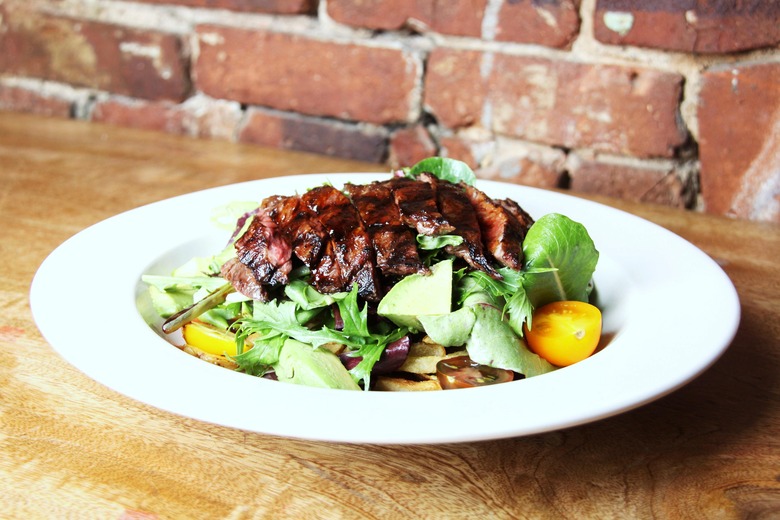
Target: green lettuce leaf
444 168
560 259
494 343
355 320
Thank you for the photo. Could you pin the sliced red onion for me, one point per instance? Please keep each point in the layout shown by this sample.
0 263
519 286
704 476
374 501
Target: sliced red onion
391 359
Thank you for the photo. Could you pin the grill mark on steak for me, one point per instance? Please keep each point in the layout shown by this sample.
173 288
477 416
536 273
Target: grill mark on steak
243 280
305 233
501 230
349 249
417 206
456 207
394 243
264 250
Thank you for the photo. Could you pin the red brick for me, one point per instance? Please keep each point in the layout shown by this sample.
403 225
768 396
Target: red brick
145 64
553 23
460 149
524 164
616 109
739 141
456 17
309 134
701 26
17 99
410 145
647 184
454 91
256 6
314 77
196 117
158 115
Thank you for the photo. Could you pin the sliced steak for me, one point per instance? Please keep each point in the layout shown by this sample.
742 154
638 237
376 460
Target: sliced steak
303 230
243 279
265 250
416 203
394 243
349 248
502 232
456 207
523 217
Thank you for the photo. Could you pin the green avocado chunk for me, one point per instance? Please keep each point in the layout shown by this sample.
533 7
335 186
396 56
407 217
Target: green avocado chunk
449 330
419 295
302 364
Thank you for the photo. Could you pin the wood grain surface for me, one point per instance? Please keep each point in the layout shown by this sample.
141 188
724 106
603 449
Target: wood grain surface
71 448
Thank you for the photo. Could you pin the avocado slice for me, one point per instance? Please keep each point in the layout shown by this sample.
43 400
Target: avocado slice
449 330
167 303
302 364
419 295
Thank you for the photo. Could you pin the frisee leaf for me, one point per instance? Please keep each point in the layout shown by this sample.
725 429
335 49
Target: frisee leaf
355 320
371 352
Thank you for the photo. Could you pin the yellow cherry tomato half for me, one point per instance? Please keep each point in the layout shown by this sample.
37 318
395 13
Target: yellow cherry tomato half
209 339
564 332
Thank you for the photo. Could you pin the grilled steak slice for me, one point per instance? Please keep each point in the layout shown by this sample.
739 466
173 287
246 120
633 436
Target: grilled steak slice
349 248
502 232
243 279
304 232
265 250
394 243
417 205
525 219
457 209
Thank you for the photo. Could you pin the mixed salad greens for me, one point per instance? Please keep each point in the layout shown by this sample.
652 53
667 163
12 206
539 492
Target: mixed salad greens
332 340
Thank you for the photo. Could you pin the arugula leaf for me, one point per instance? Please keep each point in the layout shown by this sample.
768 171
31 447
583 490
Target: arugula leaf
518 310
444 168
355 320
560 260
371 352
263 354
274 322
282 318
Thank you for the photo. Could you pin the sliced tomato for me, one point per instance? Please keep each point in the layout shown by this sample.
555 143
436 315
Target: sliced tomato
209 339
564 332
462 372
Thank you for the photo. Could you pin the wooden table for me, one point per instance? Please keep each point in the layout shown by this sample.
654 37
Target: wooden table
73 449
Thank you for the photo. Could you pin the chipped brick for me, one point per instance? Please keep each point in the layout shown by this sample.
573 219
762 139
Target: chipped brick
616 109
321 78
739 141
552 23
17 99
410 145
456 17
309 134
699 26
635 182
255 6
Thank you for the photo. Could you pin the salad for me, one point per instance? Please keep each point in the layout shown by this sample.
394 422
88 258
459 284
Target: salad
420 282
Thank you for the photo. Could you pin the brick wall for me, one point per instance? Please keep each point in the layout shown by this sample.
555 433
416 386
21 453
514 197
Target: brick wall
670 102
